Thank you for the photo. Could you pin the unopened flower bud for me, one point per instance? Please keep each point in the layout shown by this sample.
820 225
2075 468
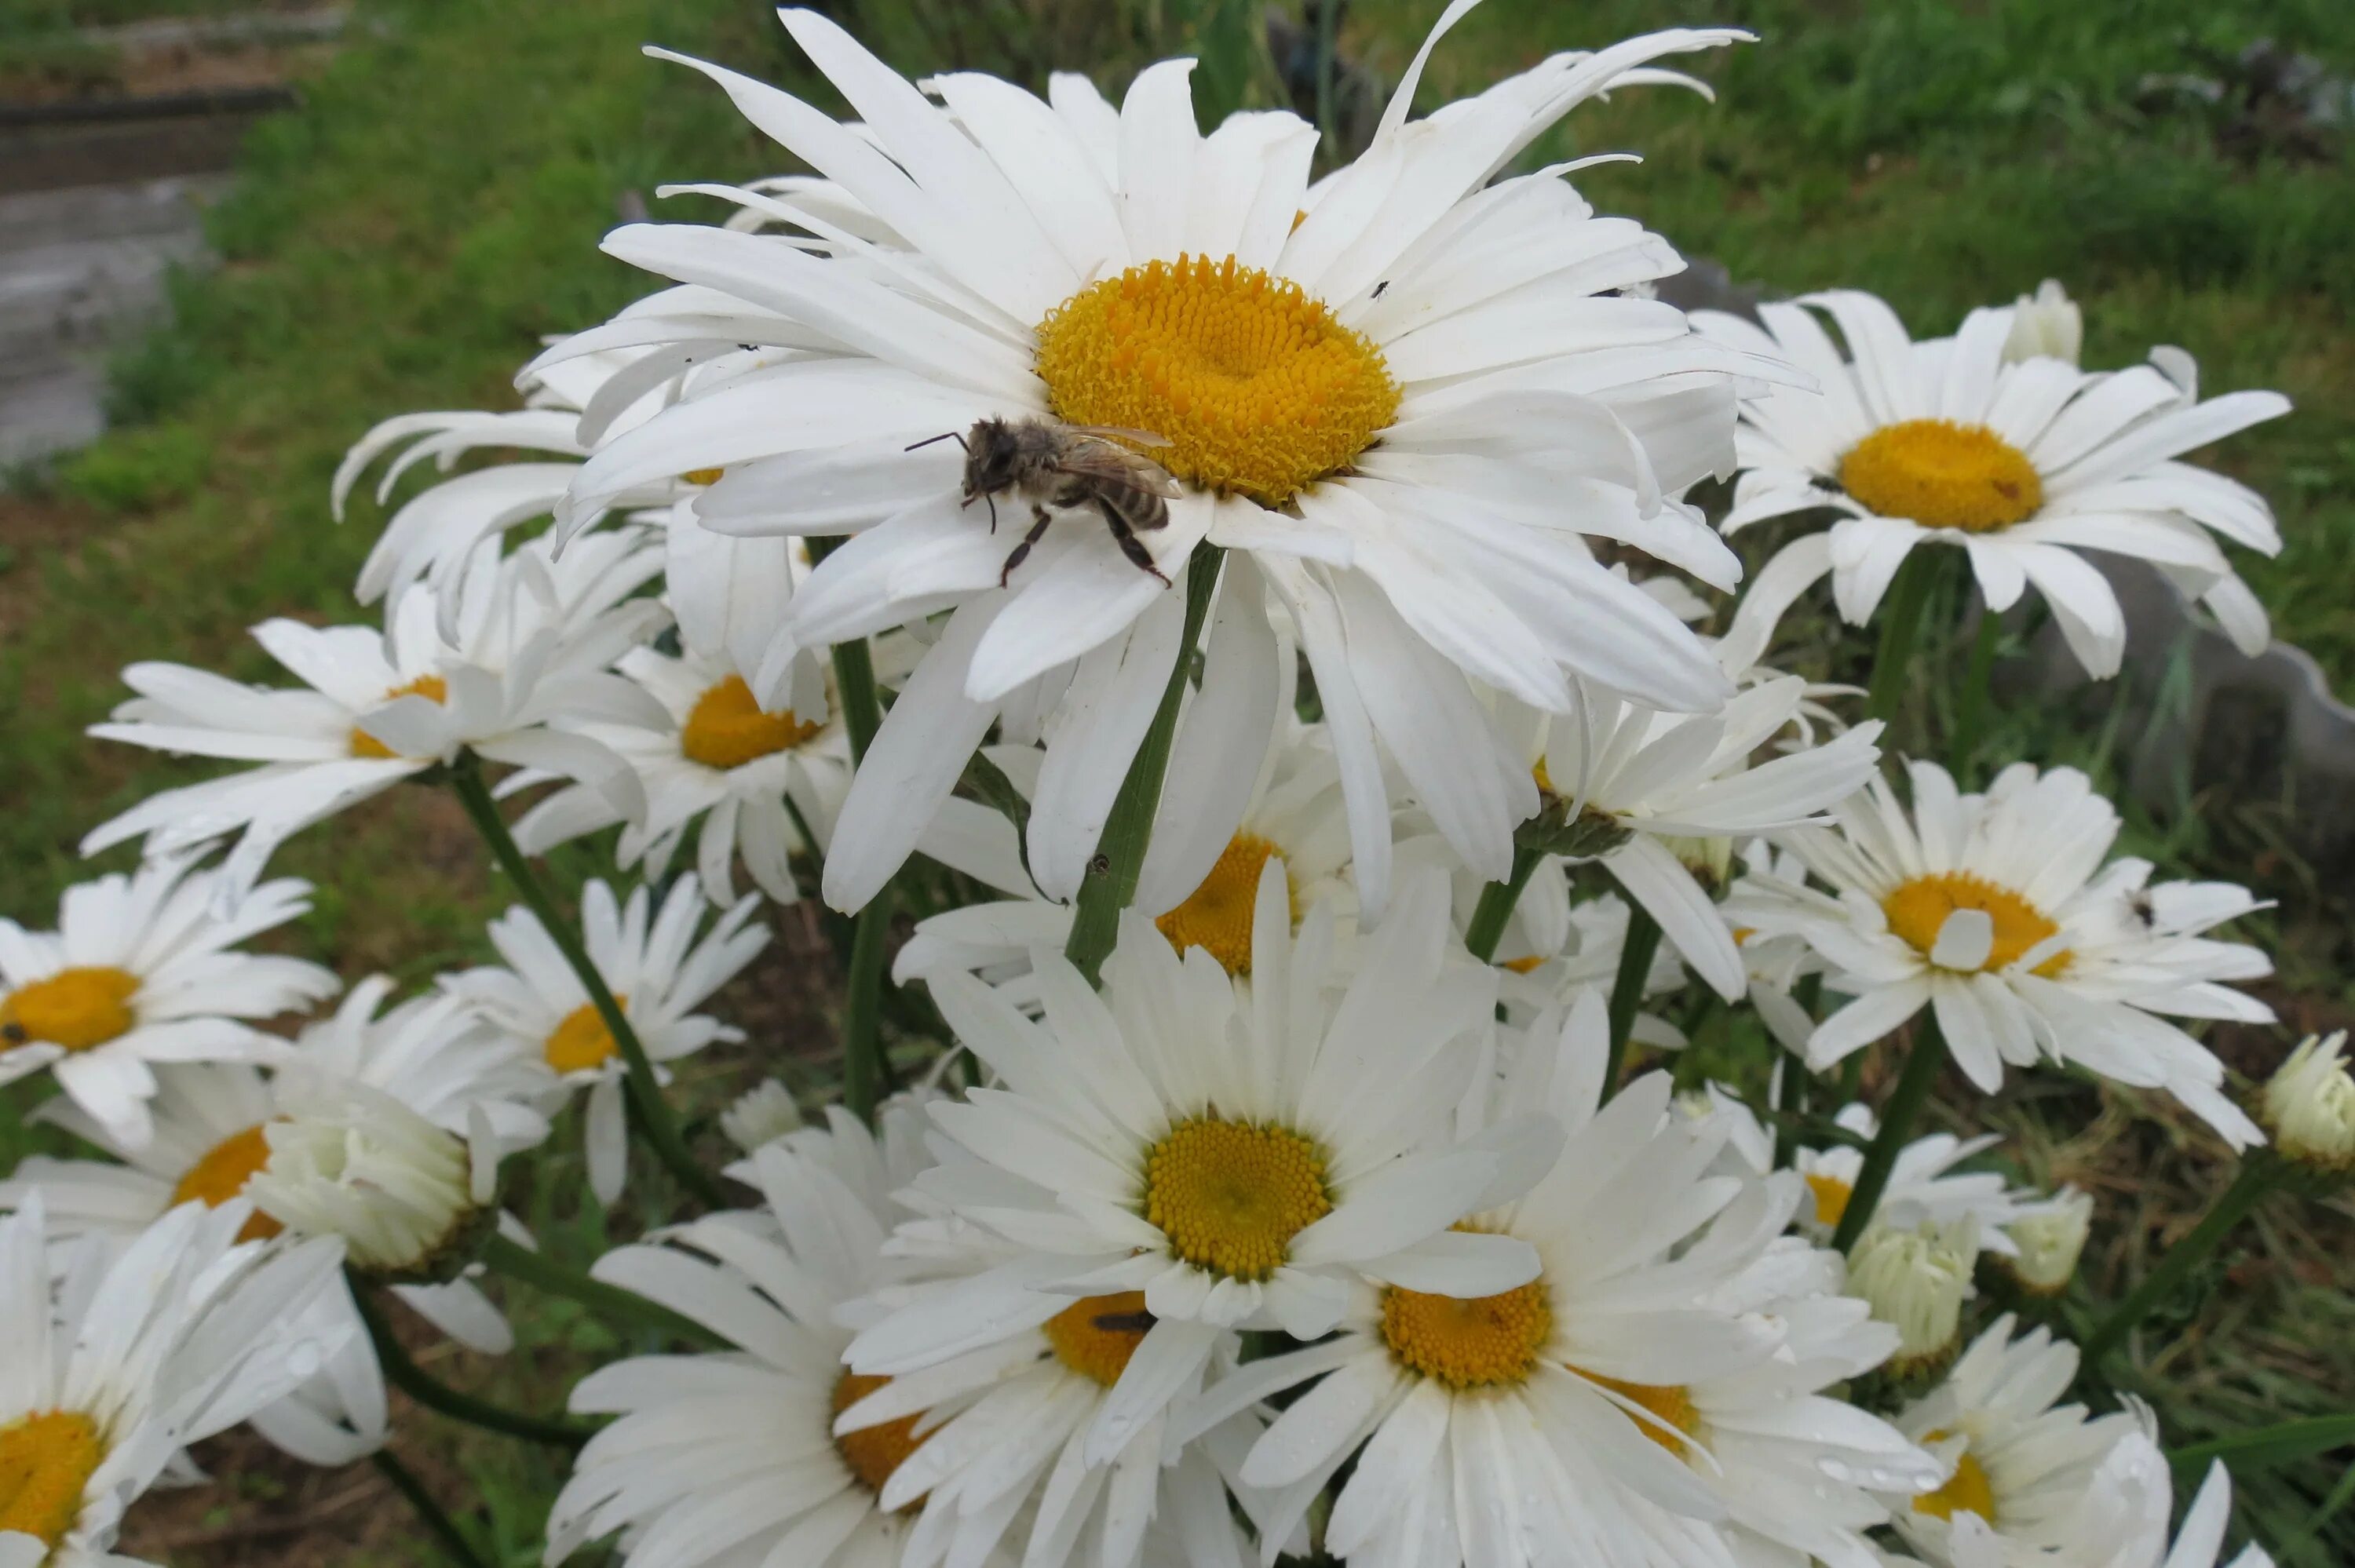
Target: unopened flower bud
2045 324
761 1114
1709 859
1916 1281
404 1194
2309 1105
2050 1236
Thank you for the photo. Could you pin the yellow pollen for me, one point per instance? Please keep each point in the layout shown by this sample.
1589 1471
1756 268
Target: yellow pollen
1675 1420
45 1460
1966 1491
79 1009
582 1041
1942 475
1230 1195
1917 910
874 1452
1095 1337
1544 779
222 1174
1216 915
703 475
1831 1197
1523 966
1483 1342
432 688
1254 386
727 729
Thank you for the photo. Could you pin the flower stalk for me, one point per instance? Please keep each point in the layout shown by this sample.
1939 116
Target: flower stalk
2259 1174
444 1528
1901 626
1496 906
1636 955
862 1010
405 1374
543 1273
1921 1070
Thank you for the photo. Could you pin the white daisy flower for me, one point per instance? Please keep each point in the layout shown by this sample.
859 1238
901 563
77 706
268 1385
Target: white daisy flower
2023 462
2309 1105
732 1457
1652 1397
2048 1235
2011 1454
2121 1521
144 968
1239 1152
536 634
656 967
1397 397
117 1359
1924 1185
1997 911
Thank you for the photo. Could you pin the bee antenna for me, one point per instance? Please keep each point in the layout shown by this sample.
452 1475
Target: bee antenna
956 435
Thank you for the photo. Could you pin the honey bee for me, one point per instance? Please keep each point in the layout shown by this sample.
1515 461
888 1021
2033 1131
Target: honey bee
1051 464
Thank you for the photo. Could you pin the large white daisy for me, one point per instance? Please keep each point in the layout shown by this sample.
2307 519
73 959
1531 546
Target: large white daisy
144 968
1400 397
2023 462
1997 911
2121 1521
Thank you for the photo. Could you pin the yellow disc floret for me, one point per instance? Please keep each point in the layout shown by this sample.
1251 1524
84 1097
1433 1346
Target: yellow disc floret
1966 1491
1917 910
873 1452
222 1174
78 1007
582 1041
1483 1342
1942 475
1230 1195
1216 915
432 688
1096 1336
727 728
45 1460
1831 1197
1674 1422
1255 387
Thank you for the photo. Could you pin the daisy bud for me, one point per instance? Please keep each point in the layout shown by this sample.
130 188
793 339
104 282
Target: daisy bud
2051 1235
1709 859
761 1114
2046 324
1917 1280
399 1190
2309 1105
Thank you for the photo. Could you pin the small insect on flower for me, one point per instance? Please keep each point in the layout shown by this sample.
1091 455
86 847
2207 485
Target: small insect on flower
1051 464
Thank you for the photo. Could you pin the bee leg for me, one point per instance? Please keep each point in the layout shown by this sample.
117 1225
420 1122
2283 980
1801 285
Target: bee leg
1022 550
1133 547
992 513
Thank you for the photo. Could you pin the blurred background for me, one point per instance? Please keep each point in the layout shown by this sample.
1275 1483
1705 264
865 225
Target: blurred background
234 234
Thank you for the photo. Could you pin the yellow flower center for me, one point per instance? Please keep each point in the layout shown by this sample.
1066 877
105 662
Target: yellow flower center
45 1460
222 1174
1917 910
1095 1337
432 688
727 728
1483 1342
1230 1195
1523 966
77 1009
1831 1197
874 1452
1254 386
703 475
1942 475
582 1041
1966 1491
1675 1422
1216 915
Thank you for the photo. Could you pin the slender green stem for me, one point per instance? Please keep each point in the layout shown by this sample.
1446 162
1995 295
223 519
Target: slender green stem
423 1386
1901 624
1797 1082
654 1118
1972 704
2259 1174
445 1529
1922 1064
862 1008
1328 23
543 1273
1496 906
854 684
1110 885
1636 955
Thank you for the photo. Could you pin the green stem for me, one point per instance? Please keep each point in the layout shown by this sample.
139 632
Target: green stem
862 1008
1972 704
1901 624
1328 23
654 1118
854 685
2258 1176
445 1529
1797 1082
1110 885
427 1390
1496 906
543 1273
2271 1445
1636 955
1922 1064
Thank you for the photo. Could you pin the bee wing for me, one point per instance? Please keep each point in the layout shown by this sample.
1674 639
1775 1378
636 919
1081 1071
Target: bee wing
1099 460
1120 433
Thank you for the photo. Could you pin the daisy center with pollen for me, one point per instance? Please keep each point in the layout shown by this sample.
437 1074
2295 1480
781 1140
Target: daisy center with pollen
80 1009
1216 915
1254 386
1917 910
221 1174
873 1452
1230 1195
1487 1341
1967 1491
1831 1197
432 688
727 728
1942 475
45 1460
1670 1418
582 1041
1095 1337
